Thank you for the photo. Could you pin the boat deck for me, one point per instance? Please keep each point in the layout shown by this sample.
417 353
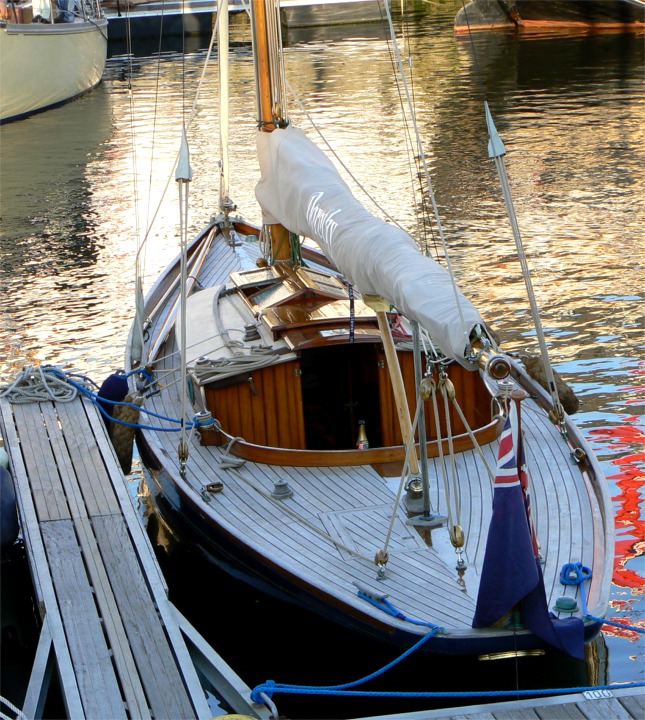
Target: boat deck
333 513
120 647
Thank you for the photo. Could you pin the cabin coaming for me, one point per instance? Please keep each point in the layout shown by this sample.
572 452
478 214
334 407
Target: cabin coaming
327 371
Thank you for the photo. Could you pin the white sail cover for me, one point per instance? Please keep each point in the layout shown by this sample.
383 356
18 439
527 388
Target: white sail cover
301 189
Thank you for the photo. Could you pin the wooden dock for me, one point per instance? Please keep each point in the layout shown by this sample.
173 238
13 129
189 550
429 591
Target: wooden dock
615 704
110 635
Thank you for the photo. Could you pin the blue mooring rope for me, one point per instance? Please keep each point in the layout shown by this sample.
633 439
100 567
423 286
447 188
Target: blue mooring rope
571 574
94 397
270 687
575 574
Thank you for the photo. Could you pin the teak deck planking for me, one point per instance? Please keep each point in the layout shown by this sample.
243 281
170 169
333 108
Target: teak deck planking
322 492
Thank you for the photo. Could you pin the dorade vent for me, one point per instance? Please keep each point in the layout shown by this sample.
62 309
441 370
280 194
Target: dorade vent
280 285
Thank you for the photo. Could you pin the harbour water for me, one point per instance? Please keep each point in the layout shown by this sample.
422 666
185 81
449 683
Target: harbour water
80 183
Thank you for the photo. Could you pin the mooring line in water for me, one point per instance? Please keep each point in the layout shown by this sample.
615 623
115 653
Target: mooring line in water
270 687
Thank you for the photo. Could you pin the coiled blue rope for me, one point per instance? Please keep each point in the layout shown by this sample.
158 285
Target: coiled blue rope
94 398
575 574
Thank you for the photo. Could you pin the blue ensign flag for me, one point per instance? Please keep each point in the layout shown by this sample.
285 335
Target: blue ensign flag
511 575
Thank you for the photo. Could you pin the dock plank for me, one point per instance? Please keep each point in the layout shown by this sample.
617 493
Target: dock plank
53 631
607 704
157 667
634 704
95 675
87 463
122 656
40 463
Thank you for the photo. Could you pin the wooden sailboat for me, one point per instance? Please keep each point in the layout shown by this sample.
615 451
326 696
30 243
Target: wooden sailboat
337 426
620 15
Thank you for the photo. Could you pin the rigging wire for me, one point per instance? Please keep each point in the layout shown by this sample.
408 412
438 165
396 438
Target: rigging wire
497 151
138 333
415 177
426 172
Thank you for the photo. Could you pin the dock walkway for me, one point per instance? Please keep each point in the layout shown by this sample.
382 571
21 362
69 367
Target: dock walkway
615 704
119 647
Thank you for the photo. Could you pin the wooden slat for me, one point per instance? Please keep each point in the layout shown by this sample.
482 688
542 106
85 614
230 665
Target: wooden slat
93 667
156 665
100 674
154 579
85 456
634 704
40 464
43 585
62 424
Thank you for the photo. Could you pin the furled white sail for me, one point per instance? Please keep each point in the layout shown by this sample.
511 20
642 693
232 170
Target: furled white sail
301 189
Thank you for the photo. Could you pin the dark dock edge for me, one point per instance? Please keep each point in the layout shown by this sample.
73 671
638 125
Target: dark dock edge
615 704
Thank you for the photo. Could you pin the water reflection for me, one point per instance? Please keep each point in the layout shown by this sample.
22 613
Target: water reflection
46 194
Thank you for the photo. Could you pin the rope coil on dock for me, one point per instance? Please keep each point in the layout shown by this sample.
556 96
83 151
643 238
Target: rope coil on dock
47 382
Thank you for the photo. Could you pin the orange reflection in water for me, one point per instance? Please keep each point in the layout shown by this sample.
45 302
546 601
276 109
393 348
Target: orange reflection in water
630 524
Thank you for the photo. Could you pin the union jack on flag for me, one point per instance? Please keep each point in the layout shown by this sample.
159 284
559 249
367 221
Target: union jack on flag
511 574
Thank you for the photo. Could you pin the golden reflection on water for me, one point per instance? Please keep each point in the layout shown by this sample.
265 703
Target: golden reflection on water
81 183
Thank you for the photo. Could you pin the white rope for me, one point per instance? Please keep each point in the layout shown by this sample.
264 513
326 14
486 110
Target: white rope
39 385
451 453
214 370
19 715
442 462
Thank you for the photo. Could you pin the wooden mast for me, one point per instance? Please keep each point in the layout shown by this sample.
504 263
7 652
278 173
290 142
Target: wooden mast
266 47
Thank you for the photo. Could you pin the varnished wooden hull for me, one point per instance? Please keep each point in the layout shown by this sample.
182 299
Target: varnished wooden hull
551 14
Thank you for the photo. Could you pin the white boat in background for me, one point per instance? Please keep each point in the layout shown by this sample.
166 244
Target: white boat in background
150 18
170 18
50 53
